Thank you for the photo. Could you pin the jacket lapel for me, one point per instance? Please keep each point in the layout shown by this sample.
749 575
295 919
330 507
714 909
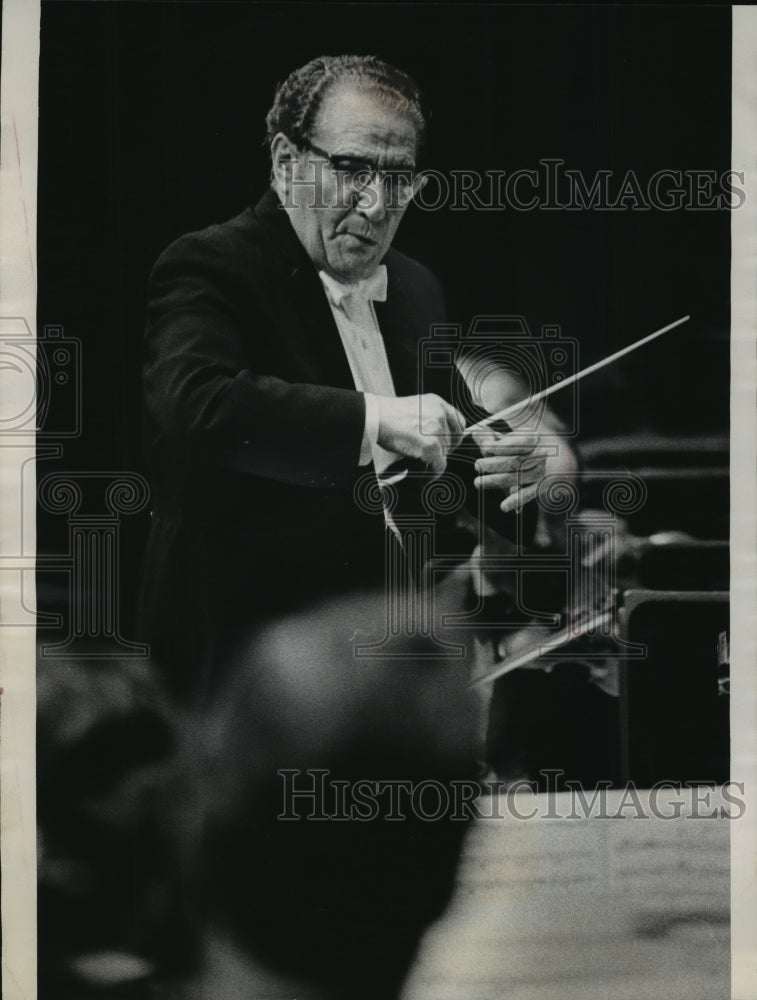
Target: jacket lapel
309 298
399 327
402 321
317 334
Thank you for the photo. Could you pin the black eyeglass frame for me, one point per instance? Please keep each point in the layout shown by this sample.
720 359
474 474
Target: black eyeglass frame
362 172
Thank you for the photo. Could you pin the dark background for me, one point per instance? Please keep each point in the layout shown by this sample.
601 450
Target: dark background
151 124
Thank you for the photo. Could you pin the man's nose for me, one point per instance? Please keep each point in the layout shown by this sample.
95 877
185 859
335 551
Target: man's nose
371 199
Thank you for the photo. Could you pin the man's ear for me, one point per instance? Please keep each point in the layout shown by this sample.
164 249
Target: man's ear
283 153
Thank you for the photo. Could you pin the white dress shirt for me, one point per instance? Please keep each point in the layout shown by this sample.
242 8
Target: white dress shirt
355 317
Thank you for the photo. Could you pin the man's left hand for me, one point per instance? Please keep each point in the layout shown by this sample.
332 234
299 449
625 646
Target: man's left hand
508 464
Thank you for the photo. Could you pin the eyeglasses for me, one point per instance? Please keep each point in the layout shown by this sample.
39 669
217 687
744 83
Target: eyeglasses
358 173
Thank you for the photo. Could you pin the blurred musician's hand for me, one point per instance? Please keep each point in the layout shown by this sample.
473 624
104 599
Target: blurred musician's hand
512 464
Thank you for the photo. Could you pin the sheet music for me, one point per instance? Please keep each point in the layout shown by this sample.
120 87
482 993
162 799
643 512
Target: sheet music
562 908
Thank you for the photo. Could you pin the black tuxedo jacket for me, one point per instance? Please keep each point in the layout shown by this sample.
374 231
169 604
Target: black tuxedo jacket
254 428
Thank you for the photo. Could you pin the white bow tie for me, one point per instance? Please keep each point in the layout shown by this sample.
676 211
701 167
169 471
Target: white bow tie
373 287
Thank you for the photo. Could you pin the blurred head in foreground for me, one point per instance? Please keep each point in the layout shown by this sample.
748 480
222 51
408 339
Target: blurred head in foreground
341 901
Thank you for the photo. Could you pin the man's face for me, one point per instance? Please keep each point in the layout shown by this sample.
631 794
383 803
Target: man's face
345 231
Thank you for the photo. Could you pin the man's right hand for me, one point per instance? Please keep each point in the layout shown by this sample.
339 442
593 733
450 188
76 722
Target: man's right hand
423 427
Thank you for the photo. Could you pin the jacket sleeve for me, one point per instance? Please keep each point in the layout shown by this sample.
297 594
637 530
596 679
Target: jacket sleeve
206 399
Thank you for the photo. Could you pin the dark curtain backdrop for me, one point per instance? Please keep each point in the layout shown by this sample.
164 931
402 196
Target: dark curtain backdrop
151 124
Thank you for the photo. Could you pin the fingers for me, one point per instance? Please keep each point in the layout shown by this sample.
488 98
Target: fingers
505 444
519 498
420 427
435 457
455 423
509 464
427 428
503 463
442 422
441 429
524 457
508 476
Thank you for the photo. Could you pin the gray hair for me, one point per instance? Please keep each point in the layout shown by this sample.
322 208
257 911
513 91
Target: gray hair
299 98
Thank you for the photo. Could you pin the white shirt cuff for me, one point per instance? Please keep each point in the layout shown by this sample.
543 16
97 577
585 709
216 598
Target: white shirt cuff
370 432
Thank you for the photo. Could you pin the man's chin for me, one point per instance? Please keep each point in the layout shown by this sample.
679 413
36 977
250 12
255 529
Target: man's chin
354 266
